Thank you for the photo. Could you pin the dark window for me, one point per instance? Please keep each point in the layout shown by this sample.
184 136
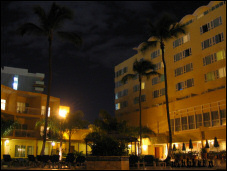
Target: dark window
198 120
206 119
190 83
205 28
177 124
215 118
187 52
218 38
223 116
191 122
184 123
172 124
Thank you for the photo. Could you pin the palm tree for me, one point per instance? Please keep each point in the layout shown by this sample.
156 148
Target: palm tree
74 121
50 24
165 29
141 68
7 126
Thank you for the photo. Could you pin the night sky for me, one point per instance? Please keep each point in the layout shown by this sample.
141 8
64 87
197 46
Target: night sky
83 78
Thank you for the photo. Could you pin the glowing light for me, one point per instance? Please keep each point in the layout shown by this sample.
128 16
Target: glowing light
63 110
6 142
129 146
53 143
62 113
144 147
166 151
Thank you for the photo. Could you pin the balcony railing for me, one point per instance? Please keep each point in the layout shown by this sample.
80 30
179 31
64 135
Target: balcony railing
29 110
25 133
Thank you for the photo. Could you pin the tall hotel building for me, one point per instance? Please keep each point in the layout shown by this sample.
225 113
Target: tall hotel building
196 73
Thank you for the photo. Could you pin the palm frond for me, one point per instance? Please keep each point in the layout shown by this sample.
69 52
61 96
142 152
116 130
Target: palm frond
57 15
127 77
39 11
152 73
30 28
71 37
176 29
147 45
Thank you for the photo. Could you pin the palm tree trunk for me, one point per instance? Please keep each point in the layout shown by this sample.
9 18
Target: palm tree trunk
140 146
48 94
167 101
70 131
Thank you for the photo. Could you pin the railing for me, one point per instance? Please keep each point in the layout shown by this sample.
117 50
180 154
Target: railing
25 133
29 110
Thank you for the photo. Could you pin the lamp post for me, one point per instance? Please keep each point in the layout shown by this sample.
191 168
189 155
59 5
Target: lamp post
62 114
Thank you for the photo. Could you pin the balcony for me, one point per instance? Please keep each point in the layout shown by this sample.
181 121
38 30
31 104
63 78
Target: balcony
25 133
29 110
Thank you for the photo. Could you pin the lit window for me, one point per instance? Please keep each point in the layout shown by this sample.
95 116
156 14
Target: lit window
15 82
117 106
15 79
43 110
3 104
143 85
116 96
210 76
186 38
220 55
20 107
19 151
221 72
30 150
15 85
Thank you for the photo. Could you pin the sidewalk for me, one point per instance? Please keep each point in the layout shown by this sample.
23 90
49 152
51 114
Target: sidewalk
223 167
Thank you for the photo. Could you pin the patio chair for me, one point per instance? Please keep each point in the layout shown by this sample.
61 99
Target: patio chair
32 161
45 160
149 160
70 159
54 160
7 160
38 160
80 160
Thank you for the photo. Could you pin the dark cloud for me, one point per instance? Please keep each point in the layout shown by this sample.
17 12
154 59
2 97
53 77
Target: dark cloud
84 77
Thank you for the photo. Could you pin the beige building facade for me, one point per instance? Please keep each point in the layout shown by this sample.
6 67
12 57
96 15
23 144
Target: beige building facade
196 75
27 108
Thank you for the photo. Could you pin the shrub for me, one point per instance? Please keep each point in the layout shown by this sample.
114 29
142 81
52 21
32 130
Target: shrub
80 159
149 159
133 159
107 146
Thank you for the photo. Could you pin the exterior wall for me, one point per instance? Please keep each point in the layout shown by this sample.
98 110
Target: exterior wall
26 81
28 135
201 97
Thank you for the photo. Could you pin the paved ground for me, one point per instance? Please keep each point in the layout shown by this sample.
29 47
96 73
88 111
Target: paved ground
146 168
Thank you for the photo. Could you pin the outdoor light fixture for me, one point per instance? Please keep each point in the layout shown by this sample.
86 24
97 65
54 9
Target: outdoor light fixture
144 147
62 113
6 142
53 143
